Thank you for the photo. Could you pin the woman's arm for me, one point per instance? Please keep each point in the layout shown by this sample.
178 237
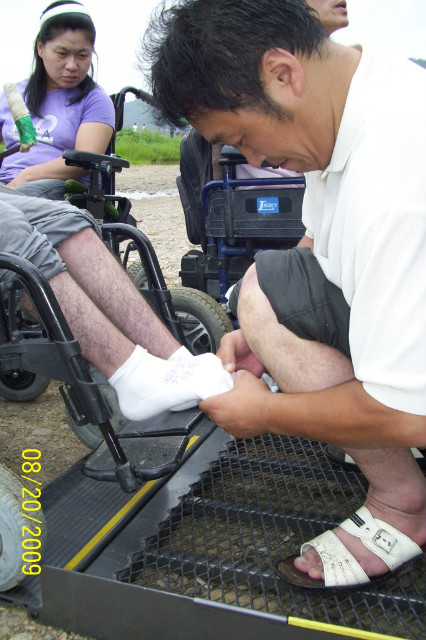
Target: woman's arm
91 136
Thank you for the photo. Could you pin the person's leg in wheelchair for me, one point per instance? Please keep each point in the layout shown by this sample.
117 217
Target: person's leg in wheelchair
101 277
117 330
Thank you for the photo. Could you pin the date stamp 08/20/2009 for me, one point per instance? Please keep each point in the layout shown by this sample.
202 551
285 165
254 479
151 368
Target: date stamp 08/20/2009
32 533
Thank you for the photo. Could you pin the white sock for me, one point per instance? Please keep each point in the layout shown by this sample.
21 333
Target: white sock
181 354
147 385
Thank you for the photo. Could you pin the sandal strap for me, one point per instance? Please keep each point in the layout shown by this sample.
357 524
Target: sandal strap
386 542
341 569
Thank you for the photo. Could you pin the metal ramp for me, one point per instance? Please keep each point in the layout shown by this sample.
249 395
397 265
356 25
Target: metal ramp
257 503
193 556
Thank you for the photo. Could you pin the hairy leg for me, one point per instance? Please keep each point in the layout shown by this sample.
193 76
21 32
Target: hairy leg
105 282
145 384
101 342
296 365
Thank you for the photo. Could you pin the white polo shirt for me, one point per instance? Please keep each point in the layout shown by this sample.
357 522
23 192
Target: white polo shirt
367 215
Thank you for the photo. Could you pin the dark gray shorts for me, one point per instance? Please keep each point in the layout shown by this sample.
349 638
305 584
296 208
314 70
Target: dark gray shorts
302 298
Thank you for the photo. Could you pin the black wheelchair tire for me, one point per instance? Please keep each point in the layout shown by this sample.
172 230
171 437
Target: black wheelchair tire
203 320
137 274
13 525
22 386
194 309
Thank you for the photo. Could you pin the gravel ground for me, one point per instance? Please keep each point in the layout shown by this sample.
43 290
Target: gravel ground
42 423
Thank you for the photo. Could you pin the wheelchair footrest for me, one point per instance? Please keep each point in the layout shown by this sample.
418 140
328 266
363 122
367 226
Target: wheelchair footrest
150 456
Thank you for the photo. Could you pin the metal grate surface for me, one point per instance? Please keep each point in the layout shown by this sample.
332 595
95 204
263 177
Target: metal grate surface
259 500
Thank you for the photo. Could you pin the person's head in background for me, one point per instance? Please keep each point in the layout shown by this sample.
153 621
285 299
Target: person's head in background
62 53
333 14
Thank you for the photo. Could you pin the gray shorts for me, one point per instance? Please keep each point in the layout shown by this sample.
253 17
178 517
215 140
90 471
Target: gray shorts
302 298
50 188
34 227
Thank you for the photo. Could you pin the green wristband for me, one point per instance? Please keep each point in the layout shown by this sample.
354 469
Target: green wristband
27 133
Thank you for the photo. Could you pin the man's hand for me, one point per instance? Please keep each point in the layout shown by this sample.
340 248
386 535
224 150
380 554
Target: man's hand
236 354
241 411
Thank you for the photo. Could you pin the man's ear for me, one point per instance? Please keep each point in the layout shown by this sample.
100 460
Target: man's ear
279 67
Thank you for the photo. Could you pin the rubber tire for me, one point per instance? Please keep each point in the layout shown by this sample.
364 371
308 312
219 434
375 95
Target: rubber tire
89 434
26 387
190 301
197 310
137 274
11 523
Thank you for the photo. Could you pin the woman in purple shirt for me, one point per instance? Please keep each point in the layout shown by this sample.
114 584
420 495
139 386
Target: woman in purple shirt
68 109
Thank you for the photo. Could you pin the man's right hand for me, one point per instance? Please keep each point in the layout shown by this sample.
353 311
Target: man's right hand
236 354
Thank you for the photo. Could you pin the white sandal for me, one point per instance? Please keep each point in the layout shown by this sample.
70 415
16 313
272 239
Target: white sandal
341 569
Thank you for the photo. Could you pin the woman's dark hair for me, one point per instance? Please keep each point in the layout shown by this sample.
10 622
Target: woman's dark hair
207 54
35 91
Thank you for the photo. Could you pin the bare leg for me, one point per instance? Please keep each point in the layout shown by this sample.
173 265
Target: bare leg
101 342
103 279
145 384
397 492
296 365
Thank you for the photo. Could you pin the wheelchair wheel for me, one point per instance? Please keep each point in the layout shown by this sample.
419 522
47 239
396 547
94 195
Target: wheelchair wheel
136 272
15 529
89 434
203 320
22 386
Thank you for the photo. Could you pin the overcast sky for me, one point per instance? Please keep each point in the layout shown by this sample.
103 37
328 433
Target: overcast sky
391 25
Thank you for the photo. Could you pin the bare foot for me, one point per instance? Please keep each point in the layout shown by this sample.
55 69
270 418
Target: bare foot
412 525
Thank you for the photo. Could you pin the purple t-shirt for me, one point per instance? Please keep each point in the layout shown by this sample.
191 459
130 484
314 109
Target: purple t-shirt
56 131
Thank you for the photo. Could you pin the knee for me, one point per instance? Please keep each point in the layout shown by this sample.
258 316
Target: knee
83 239
249 281
244 290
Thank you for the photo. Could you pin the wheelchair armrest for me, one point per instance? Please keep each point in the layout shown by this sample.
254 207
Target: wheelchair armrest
94 161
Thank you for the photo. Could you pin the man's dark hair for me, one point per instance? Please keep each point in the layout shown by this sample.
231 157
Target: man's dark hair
207 54
35 91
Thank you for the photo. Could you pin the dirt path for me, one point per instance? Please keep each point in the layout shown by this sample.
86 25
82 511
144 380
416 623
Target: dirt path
42 423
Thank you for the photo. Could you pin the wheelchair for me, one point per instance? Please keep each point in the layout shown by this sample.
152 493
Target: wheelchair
34 351
47 348
232 219
203 320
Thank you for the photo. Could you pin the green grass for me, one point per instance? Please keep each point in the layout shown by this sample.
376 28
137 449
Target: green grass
147 147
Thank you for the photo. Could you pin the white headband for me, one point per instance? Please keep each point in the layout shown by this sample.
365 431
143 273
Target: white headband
63 8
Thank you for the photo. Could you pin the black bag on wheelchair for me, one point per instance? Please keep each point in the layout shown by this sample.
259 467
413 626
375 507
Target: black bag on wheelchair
195 171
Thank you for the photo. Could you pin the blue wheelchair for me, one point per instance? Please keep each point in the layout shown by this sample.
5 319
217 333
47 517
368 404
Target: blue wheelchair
230 218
